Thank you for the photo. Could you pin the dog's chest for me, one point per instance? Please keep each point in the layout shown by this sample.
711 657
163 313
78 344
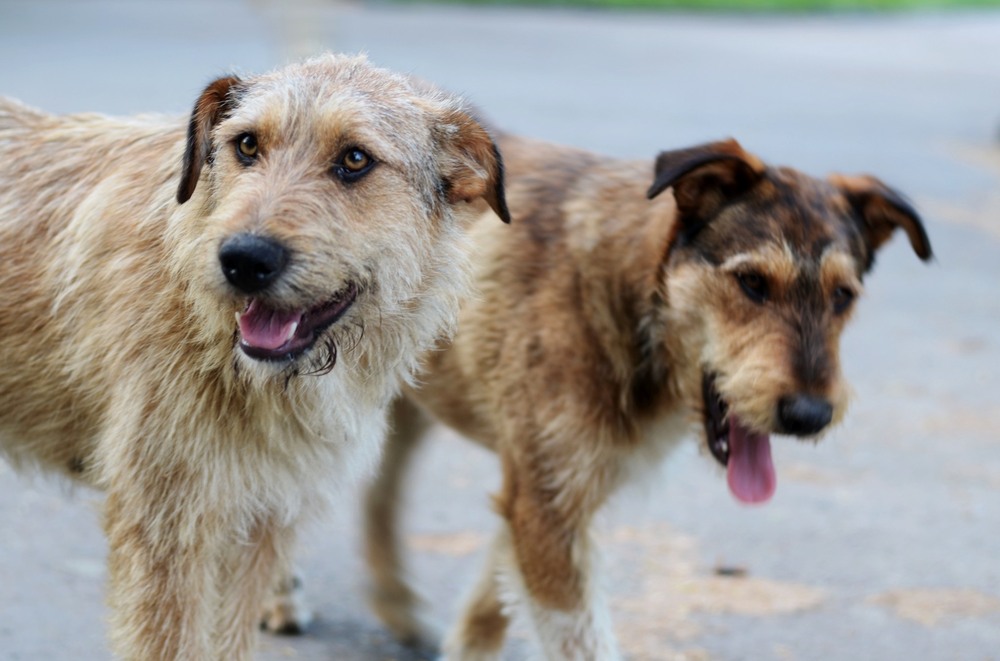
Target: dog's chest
659 436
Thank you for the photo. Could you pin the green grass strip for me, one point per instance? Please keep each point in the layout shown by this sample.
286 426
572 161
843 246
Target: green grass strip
747 6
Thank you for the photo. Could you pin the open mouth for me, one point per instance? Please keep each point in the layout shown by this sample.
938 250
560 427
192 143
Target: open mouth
278 335
746 454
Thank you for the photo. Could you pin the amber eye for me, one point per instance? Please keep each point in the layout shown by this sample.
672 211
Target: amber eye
754 285
842 299
246 147
353 165
356 160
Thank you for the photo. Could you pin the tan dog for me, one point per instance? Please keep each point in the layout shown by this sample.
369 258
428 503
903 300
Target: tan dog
222 366
606 325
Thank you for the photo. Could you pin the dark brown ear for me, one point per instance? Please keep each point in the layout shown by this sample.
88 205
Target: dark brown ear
881 211
704 178
211 107
471 166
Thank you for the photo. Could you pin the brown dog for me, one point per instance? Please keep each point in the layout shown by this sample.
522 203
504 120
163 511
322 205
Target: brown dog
606 325
222 366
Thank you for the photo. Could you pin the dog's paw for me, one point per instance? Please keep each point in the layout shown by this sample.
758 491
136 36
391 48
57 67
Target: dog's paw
468 655
409 626
285 611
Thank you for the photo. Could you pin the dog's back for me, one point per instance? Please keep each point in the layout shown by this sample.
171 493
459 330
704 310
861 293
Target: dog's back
50 165
16 115
61 272
559 263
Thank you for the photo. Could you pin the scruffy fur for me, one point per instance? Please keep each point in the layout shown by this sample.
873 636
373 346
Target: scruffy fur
607 324
122 360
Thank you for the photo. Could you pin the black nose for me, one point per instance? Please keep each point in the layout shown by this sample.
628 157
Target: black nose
251 263
803 415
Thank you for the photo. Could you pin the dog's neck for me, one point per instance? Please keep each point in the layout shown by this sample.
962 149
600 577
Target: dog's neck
653 386
626 290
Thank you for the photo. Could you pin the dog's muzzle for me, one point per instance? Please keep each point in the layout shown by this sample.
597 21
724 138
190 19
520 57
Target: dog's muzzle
251 263
804 415
269 330
275 334
744 452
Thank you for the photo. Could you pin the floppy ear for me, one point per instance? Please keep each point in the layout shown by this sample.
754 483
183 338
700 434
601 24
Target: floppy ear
881 211
471 165
215 102
704 178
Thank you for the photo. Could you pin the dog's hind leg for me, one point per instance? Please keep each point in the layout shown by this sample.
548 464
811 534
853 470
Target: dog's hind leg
394 601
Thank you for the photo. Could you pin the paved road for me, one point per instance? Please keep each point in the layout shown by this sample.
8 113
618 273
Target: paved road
881 543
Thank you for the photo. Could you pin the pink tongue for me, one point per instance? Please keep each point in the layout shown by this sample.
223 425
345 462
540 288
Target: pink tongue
262 328
750 472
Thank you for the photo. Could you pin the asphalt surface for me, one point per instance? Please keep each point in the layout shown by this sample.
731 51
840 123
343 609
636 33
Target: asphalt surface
881 542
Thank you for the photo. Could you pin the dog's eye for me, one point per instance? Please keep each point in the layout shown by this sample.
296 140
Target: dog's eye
842 299
353 165
754 285
356 160
246 148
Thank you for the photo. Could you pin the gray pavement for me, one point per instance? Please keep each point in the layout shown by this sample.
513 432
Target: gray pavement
881 543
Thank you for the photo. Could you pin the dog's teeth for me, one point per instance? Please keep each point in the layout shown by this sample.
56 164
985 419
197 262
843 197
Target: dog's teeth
291 331
238 314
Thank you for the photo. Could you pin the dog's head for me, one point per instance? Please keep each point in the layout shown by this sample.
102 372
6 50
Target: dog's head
761 276
328 202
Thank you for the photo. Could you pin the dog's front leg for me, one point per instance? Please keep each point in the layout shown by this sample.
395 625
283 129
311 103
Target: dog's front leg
246 581
162 571
578 629
285 610
480 632
542 565
553 562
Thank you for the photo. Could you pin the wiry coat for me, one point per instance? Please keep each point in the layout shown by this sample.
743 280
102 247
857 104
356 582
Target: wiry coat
121 365
613 316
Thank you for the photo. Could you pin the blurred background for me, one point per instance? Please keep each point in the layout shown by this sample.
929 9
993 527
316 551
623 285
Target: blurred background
882 542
